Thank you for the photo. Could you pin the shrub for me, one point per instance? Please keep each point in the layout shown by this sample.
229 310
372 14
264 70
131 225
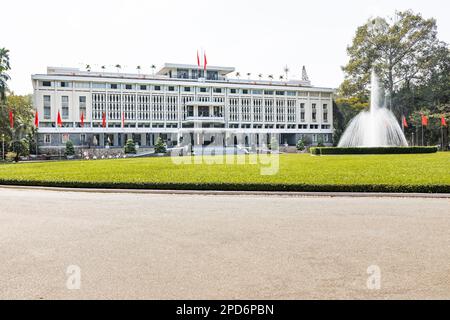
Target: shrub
300 145
160 146
70 150
10 156
371 150
130 146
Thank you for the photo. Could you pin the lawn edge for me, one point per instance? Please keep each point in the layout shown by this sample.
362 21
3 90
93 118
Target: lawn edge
237 187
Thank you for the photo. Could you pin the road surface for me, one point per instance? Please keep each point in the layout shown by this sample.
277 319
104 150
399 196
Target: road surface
162 246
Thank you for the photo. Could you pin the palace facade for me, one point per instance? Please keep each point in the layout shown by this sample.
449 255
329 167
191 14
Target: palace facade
99 109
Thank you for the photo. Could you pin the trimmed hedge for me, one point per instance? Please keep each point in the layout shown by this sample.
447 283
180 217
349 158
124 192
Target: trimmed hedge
371 150
424 188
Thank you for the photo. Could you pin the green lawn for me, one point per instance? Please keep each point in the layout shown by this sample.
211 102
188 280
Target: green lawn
297 172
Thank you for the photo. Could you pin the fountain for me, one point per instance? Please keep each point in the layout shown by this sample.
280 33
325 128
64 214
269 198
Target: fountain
377 127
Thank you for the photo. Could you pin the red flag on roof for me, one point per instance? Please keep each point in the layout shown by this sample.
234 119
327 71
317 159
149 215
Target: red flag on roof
205 62
198 60
405 124
36 119
58 119
11 119
104 120
82 119
424 120
443 122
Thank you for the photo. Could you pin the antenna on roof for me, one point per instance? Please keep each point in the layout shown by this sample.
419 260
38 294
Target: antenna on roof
304 74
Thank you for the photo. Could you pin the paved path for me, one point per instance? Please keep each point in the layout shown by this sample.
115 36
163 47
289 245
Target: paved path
161 246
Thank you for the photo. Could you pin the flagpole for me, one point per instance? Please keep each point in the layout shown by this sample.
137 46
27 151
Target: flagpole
36 144
422 135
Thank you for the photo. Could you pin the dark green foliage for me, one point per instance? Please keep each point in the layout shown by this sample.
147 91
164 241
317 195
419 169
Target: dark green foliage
130 146
70 150
160 146
300 145
20 148
432 188
376 150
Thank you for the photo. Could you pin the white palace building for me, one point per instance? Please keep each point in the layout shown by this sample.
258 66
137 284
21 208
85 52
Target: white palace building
179 103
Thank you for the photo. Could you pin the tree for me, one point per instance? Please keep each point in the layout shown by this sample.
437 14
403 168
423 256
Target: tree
23 117
401 49
138 68
4 77
130 146
153 69
160 146
118 67
70 150
238 75
20 147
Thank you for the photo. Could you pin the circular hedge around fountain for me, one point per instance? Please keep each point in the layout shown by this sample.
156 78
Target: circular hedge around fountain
371 150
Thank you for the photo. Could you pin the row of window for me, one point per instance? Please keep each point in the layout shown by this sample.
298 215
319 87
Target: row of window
116 104
144 87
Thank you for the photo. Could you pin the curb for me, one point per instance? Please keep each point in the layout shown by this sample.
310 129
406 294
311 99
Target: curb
239 193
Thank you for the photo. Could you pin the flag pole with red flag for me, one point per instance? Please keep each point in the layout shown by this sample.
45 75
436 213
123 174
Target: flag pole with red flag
104 120
11 119
82 119
59 124
198 60
205 62
59 120
443 124
404 123
123 119
424 124
36 119
36 124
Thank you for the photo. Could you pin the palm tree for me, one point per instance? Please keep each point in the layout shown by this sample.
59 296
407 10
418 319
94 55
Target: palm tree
118 66
138 69
271 77
88 68
4 77
238 75
153 69
248 75
103 68
260 76
281 78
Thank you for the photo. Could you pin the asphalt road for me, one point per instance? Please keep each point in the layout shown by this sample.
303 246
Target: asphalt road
157 246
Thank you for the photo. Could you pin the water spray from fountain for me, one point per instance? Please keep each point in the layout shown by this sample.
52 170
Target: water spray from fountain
377 127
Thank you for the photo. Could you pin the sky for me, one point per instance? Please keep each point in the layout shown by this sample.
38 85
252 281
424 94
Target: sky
252 36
